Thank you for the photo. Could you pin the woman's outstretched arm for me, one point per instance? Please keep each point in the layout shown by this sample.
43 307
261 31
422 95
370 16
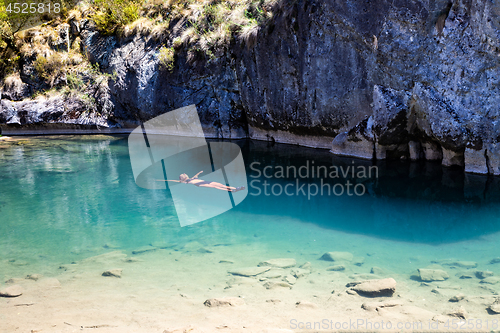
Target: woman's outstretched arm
163 180
196 176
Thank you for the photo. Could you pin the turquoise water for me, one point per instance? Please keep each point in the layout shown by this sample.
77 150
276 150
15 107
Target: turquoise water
63 199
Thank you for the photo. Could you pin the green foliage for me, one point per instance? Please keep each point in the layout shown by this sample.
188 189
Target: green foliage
255 13
40 64
77 45
112 15
3 12
211 17
15 21
88 101
130 13
8 55
23 15
83 81
5 30
49 68
219 21
96 76
208 25
166 58
75 82
214 14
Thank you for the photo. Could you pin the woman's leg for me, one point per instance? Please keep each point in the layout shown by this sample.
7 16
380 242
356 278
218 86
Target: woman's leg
218 186
231 189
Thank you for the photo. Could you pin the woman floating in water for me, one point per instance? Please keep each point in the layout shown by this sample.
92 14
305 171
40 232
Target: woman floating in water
203 183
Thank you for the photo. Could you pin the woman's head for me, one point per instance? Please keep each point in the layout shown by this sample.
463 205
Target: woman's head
183 178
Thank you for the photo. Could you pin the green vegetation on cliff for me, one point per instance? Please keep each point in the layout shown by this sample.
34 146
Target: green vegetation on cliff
112 15
199 27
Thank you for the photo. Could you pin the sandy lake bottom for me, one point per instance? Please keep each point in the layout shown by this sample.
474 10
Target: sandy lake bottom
83 248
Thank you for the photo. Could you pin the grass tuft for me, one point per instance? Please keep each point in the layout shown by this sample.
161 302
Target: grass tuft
49 68
166 57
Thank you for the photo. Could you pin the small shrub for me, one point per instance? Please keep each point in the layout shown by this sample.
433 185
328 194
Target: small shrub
160 32
142 26
130 13
104 23
177 43
166 58
49 68
75 82
89 101
77 44
255 13
113 15
189 35
40 65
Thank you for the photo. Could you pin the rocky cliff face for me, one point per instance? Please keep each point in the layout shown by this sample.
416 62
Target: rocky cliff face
373 79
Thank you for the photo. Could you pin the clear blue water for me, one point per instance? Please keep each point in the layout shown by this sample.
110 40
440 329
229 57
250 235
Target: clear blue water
67 198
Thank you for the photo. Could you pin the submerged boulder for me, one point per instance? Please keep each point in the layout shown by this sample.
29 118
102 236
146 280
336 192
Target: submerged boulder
307 265
240 281
460 313
337 256
272 274
483 274
290 279
377 271
456 263
144 249
280 263
428 274
273 285
34 277
495 261
457 297
12 291
495 307
306 305
226 301
358 261
374 288
336 268
491 280
113 273
299 272
375 306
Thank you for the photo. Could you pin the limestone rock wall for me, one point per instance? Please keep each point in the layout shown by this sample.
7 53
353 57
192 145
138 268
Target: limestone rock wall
435 88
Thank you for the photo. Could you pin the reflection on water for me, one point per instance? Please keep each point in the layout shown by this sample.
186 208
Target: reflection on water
408 201
65 197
